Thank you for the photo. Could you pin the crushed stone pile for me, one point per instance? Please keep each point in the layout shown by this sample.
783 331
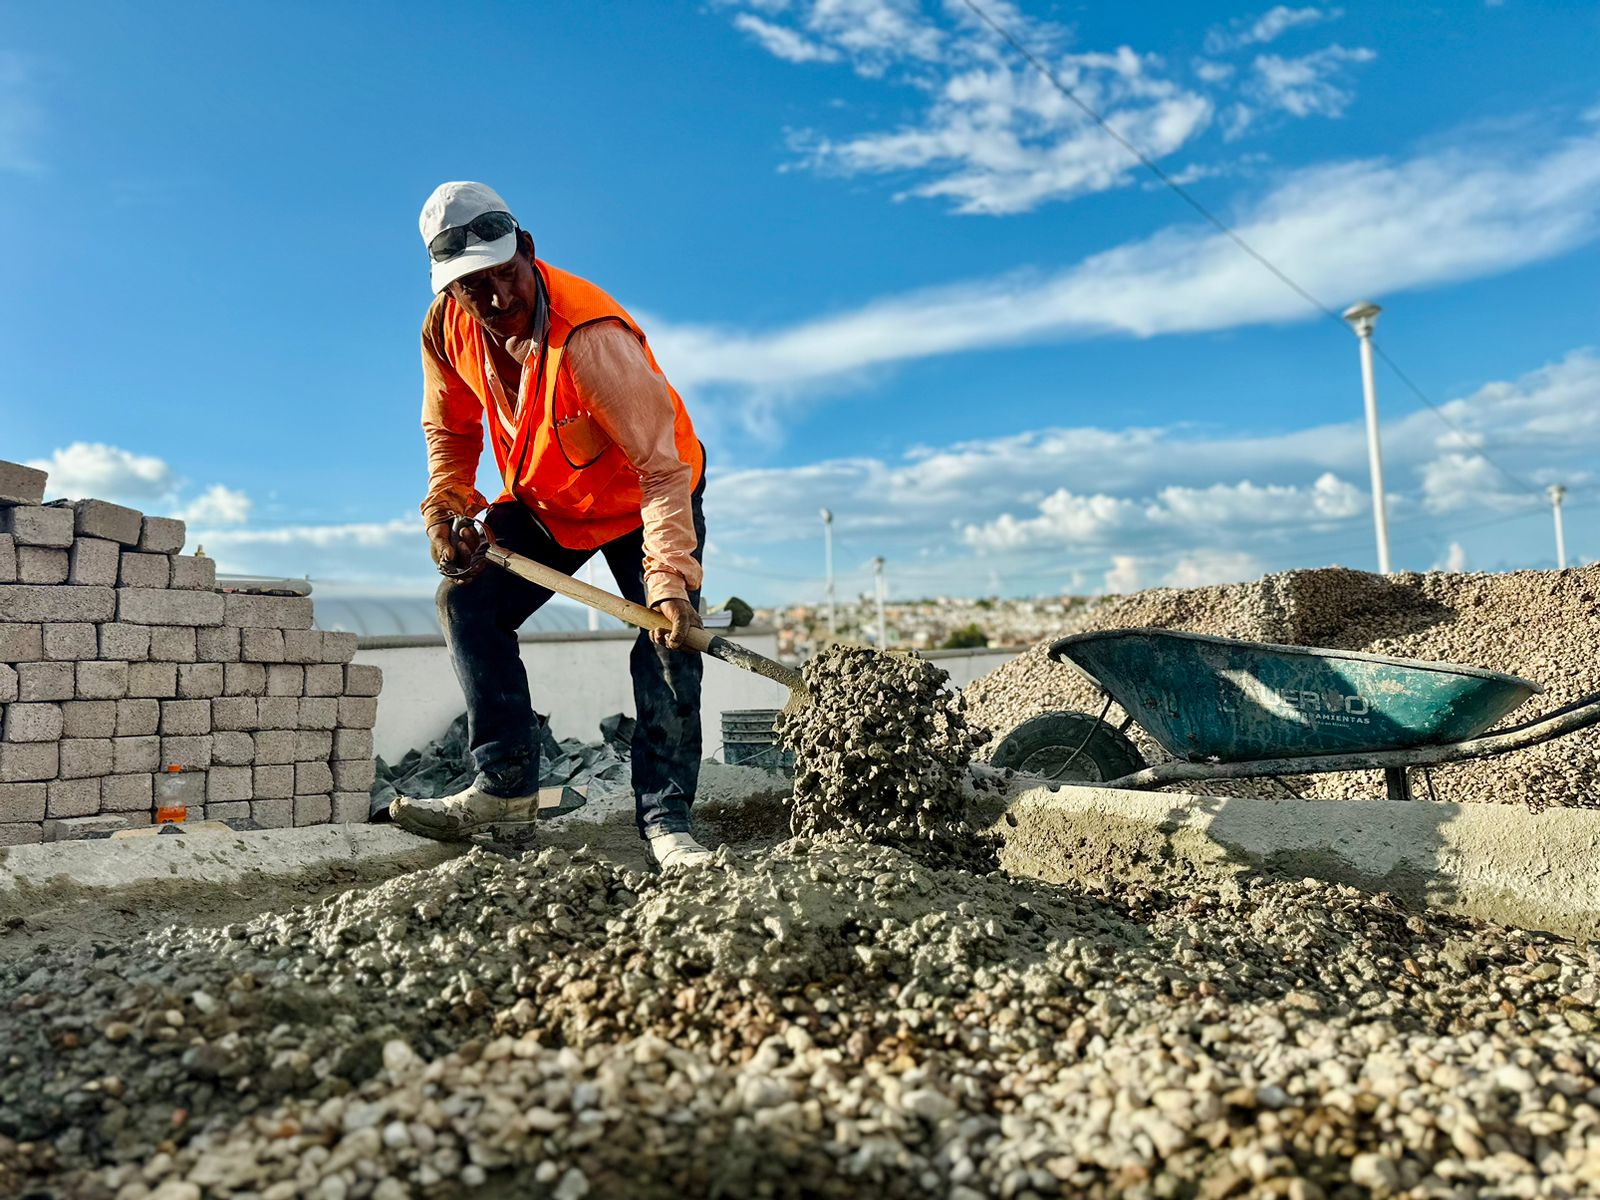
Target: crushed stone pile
882 754
821 1019
1542 625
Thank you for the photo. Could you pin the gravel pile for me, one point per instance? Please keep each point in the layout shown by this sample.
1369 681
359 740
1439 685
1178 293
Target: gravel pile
882 754
1542 625
818 1020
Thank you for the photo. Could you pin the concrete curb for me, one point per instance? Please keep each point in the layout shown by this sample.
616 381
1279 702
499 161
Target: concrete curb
1495 862
29 872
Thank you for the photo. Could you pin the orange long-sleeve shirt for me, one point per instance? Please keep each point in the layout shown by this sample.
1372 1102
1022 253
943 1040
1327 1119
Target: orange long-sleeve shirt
633 408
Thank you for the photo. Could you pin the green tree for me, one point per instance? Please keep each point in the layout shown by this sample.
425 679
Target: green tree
968 637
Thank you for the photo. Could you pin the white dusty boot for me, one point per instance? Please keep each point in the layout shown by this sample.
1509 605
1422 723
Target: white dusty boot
451 818
678 850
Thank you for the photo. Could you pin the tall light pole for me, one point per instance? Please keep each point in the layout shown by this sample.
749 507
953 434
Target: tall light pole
827 552
882 590
1557 495
1362 317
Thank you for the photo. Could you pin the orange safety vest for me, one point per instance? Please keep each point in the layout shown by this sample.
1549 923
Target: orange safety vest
553 456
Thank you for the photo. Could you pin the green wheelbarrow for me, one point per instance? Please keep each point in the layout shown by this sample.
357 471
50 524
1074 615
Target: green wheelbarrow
1227 709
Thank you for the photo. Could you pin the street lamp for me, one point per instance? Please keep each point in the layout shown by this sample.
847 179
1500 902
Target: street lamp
827 550
1362 317
1557 495
882 591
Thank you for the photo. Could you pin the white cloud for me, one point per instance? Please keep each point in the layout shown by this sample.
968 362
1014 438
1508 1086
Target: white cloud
1205 567
1124 575
1268 27
94 470
1454 560
784 43
1365 227
1311 85
217 505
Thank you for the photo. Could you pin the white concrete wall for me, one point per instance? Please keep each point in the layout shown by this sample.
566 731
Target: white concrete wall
966 665
577 680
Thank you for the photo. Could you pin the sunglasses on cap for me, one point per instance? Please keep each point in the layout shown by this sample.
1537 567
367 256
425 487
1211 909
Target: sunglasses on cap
487 227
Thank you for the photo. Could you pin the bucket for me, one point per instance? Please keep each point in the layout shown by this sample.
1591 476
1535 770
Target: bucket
749 741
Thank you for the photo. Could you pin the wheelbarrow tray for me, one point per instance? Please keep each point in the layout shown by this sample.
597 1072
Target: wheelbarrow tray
1219 700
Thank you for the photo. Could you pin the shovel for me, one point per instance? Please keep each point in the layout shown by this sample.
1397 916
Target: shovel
638 615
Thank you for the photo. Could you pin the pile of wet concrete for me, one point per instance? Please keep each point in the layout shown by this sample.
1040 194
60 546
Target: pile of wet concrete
1542 625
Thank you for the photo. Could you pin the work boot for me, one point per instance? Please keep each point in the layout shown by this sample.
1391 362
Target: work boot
452 818
677 850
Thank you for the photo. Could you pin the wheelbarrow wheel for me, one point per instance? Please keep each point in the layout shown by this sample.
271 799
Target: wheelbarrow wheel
1068 747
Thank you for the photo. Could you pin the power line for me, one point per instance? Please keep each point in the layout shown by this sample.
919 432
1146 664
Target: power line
1222 226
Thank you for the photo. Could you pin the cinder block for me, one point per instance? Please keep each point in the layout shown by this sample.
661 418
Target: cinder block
38 525
352 807
70 641
163 606
130 643
302 645
144 570
20 484
235 713
132 755
279 712
233 810
21 643
8 683
21 835
229 783
192 753
354 776
93 562
24 762
46 602
181 718
272 814
313 745
46 681
284 679
173 643
21 802
138 718
219 644
88 718
319 712
153 680
311 778
72 797
126 793
232 748
33 722
101 519
275 782
261 645
275 747
193 573
362 680
274 612
8 558
73 829
41 564
244 679
352 744
102 680
200 681
338 646
86 758
324 679
162 535
313 810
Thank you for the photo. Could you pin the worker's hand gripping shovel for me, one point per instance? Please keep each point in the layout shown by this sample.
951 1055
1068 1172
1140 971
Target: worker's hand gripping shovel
478 541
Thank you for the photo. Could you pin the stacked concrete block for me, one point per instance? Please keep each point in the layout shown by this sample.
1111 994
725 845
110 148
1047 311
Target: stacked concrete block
121 664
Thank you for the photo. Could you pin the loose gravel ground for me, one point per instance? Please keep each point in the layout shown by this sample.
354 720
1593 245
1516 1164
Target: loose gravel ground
1542 625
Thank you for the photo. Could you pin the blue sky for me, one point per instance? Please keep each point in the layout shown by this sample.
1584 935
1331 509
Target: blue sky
891 269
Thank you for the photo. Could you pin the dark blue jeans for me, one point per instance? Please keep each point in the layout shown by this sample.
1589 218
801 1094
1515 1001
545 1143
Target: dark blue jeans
480 619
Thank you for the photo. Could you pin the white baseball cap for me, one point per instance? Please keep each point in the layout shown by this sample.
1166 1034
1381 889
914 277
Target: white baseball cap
456 206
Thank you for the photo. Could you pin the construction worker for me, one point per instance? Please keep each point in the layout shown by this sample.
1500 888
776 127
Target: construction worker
596 453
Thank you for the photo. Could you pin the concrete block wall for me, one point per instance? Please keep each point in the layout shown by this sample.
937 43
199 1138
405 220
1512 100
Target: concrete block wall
125 675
